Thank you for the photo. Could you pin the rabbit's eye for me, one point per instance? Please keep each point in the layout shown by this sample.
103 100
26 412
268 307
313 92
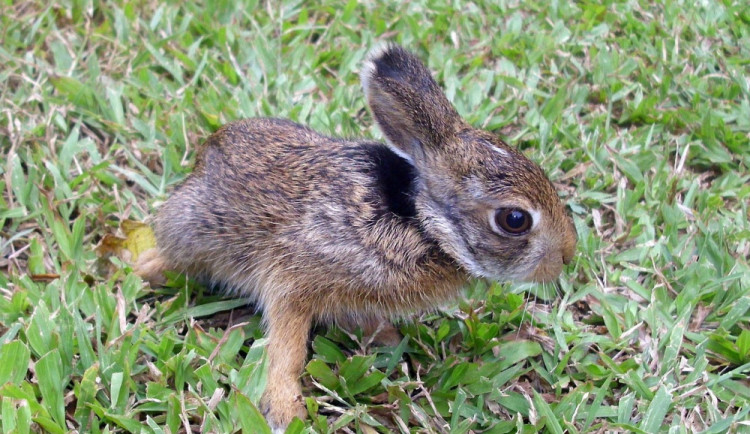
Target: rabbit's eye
513 221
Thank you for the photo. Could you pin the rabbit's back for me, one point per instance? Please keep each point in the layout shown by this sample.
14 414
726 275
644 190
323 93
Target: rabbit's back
273 200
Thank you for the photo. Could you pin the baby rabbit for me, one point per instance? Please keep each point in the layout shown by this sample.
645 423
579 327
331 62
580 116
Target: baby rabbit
313 228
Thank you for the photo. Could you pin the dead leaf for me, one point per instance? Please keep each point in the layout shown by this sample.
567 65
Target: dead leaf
45 277
138 237
110 244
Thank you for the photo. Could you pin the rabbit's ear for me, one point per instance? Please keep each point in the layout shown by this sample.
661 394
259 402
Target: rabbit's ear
409 106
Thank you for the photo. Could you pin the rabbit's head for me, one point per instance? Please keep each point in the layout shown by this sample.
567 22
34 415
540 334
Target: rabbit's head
487 206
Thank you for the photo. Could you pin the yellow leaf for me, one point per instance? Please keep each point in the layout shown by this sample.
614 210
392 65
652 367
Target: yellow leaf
139 237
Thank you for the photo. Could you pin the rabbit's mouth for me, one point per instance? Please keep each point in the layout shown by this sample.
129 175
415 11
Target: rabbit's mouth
549 262
548 270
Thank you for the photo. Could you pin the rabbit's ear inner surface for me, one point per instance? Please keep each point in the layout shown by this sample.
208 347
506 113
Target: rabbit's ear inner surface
412 111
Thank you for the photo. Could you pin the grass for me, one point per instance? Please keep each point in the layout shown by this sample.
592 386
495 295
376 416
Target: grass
640 113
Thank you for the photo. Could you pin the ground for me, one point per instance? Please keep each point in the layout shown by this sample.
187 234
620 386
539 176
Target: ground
639 112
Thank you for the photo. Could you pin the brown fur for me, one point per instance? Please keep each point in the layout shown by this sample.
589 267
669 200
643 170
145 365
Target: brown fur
314 228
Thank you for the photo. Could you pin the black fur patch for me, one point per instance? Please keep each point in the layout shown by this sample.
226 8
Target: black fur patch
395 178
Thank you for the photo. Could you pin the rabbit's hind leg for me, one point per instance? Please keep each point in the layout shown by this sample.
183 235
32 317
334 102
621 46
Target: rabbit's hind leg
375 329
151 266
383 332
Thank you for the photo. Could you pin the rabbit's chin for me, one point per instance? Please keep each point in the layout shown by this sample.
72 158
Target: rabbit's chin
539 268
493 271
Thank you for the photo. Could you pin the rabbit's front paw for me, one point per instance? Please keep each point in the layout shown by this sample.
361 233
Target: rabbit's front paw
280 404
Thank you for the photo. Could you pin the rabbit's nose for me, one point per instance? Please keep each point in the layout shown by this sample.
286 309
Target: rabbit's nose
569 244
